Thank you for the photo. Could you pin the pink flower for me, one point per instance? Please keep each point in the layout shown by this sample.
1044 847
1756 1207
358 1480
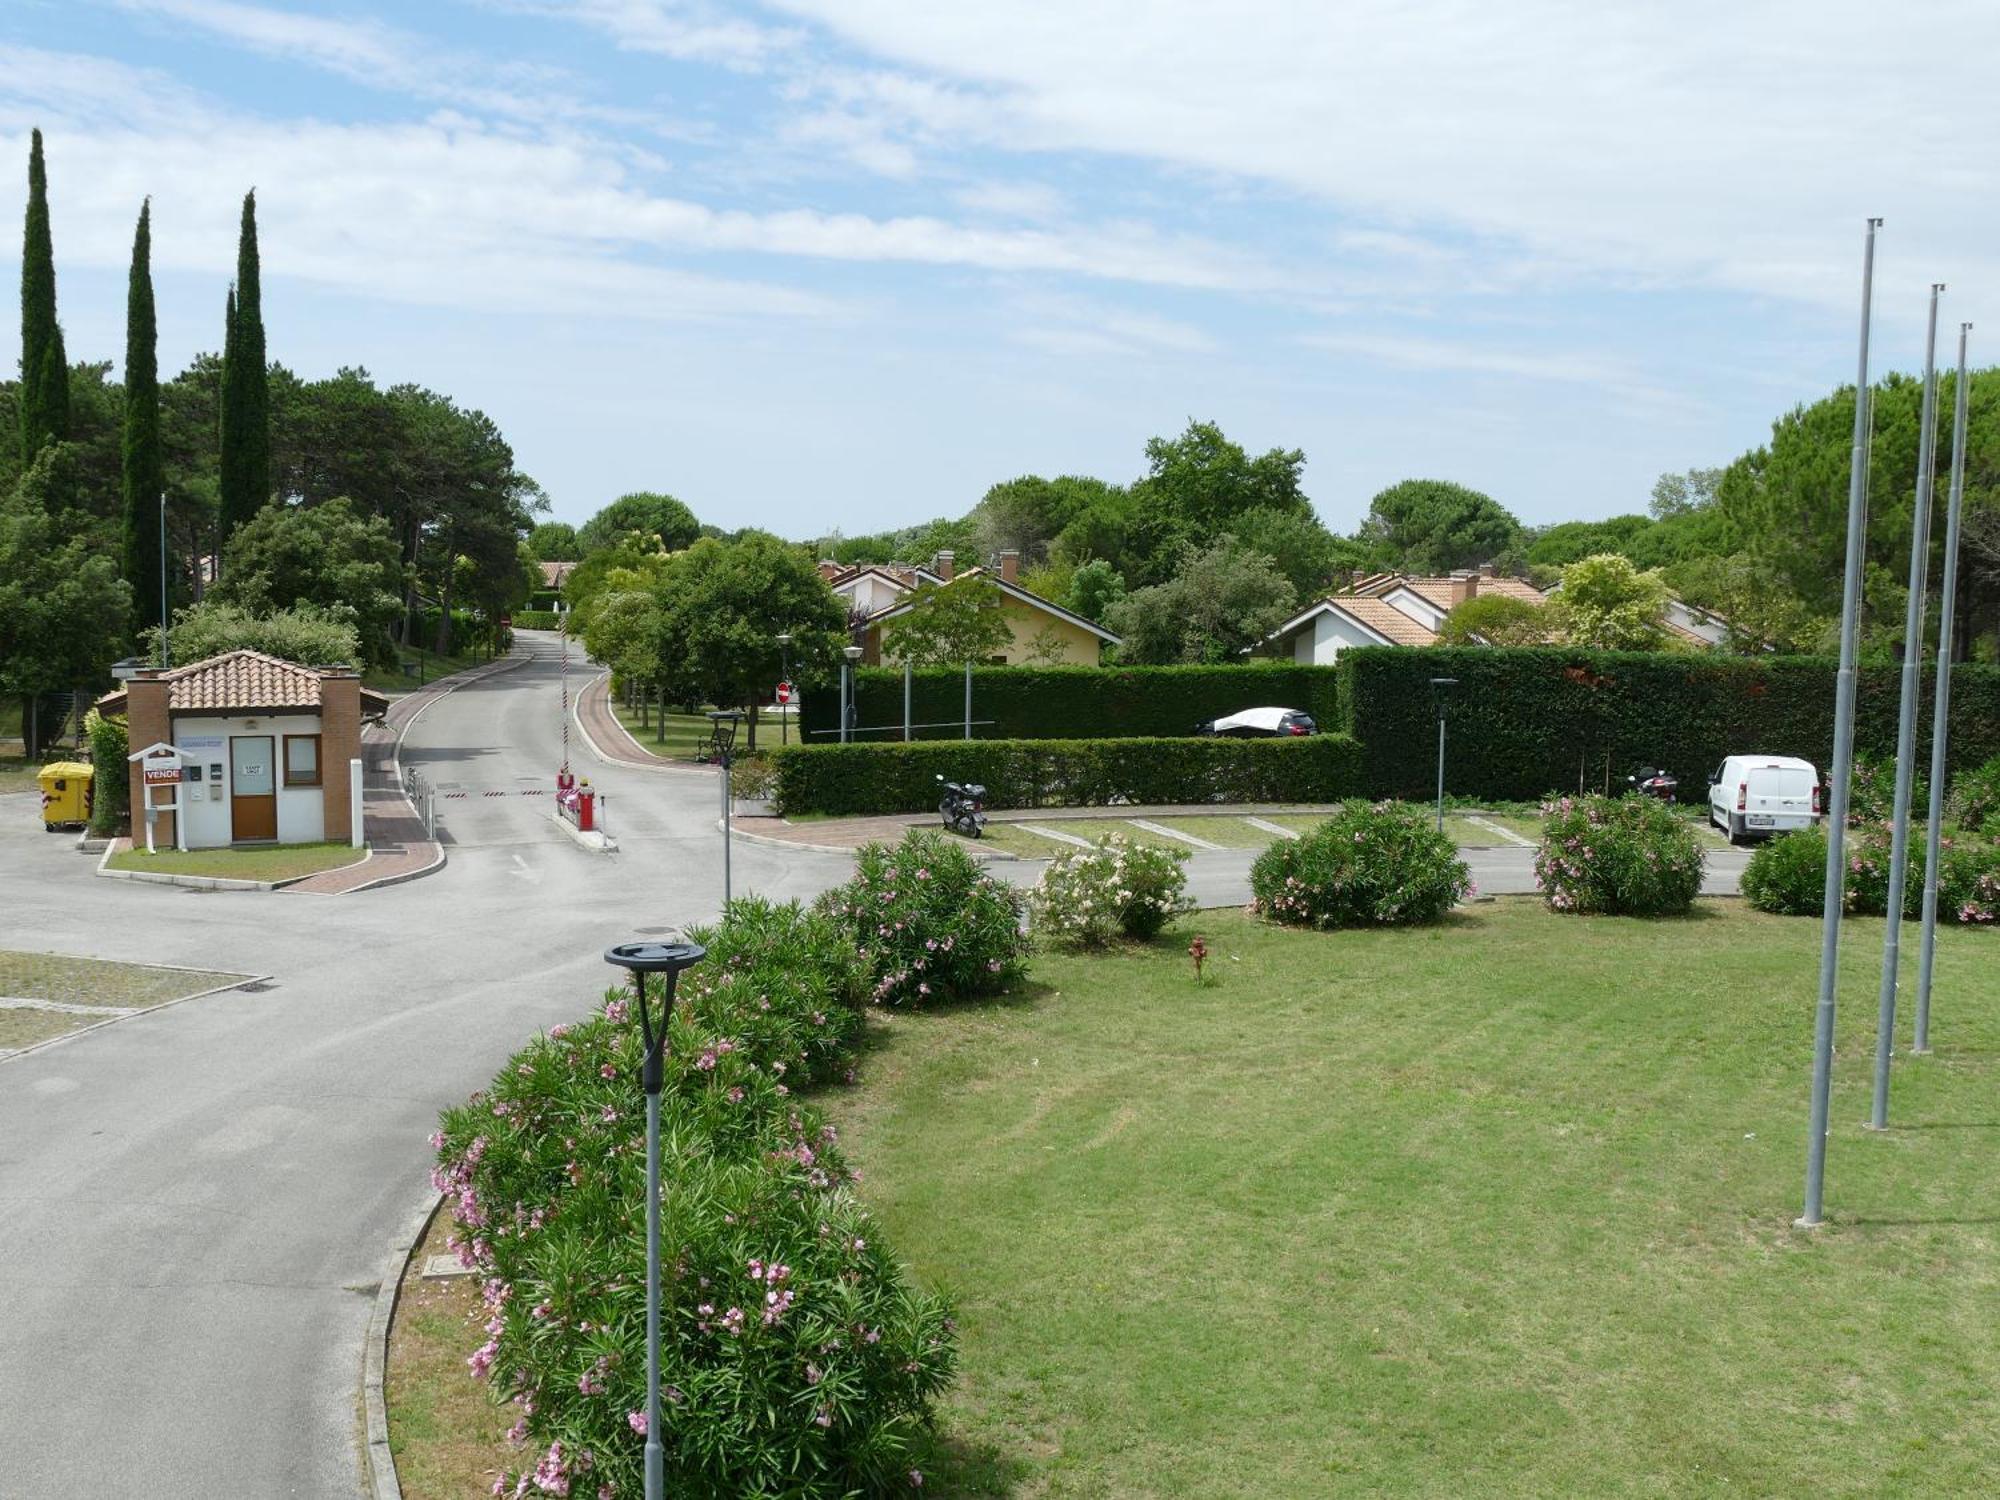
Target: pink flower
637 1421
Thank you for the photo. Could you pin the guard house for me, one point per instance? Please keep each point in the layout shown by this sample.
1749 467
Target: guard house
265 746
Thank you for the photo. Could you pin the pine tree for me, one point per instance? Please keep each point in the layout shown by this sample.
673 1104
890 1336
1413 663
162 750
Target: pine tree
44 365
246 392
144 468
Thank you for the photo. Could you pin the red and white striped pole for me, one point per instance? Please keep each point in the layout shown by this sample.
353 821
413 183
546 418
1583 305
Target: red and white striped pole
562 777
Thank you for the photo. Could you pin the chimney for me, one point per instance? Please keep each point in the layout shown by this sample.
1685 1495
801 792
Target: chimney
1486 570
1463 587
941 566
1010 566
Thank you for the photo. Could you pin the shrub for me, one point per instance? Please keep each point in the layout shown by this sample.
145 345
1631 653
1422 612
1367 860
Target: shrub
1786 875
1057 703
1525 719
1974 802
1090 897
929 925
536 619
795 1358
1968 875
1871 791
1366 865
1625 856
782 985
111 785
850 779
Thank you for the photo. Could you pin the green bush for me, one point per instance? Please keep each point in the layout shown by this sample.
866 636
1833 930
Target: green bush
854 779
1968 875
930 926
111 783
1974 801
797 1360
1786 875
1060 703
1525 720
1627 856
1088 898
1871 791
1366 865
536 619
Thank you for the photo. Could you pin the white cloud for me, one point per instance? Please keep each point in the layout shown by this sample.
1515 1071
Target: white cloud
687 32
1033 201
1706 143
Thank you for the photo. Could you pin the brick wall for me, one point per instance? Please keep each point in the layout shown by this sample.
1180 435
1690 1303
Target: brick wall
146 724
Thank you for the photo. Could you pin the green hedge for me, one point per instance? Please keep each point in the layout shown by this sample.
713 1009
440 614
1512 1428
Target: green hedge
1066 773
1069 703
536 619
1530 720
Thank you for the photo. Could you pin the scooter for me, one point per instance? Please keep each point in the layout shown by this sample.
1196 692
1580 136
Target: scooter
1648 782
963 807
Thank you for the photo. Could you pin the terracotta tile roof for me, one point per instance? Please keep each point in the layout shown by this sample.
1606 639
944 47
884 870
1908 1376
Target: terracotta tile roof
1384 619
1438 590
556 574
243 682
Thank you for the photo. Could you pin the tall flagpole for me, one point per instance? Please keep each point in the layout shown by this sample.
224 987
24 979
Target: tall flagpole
1941 704
1906 727
1843 763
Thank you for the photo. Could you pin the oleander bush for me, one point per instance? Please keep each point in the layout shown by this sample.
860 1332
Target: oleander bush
797 1359
1968 875
1369 864
1627 856
929 924
784 984
1871 791
864 779
1088 898
1786 875
1974 801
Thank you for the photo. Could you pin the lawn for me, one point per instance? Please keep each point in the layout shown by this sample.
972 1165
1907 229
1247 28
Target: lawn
18 774
684 731
394 680
1498 1208
268 862
84 981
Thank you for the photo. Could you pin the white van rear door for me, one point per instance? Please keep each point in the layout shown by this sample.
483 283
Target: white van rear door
1777 792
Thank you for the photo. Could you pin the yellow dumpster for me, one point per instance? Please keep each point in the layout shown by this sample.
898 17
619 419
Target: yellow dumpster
65 794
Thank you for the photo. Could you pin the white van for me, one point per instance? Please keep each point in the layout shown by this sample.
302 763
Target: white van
1763 795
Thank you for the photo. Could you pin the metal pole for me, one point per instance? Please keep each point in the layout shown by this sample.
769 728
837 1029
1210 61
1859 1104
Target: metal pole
968 700
725 832
1941 707
166 651
1843 759
656 1463
908 671
1906 727
845 670
1440 768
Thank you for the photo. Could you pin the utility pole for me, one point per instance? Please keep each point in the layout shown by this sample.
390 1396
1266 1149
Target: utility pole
1843 768
1906 727
1941 706
166 651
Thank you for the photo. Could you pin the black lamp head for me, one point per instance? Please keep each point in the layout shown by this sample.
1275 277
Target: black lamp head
655 958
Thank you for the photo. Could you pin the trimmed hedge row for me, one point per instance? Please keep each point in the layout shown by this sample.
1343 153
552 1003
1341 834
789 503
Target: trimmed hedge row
852 779
536 619
1063 703
1523 722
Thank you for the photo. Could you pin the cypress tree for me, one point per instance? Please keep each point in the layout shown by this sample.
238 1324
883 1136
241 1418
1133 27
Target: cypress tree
44 365
144 469
246 391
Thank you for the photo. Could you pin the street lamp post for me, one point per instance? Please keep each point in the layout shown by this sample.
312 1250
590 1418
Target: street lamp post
641 959
1440 693
853 655
785 676
725 721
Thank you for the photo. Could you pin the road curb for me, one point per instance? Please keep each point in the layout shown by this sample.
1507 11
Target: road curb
652 763
383 1484
214 882
70 1036
592 840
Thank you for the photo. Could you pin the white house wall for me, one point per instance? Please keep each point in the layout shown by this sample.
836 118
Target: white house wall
1416 606
1319 642
205 804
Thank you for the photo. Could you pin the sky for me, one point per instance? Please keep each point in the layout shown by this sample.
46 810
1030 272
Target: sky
843 264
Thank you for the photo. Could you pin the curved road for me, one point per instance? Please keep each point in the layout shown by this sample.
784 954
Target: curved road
194 1204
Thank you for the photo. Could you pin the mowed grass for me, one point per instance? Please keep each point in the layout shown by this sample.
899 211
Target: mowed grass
684 732
446 1433
23 1028
273 862
1501 1207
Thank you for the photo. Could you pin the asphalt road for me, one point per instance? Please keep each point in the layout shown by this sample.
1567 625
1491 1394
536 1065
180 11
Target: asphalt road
194 1204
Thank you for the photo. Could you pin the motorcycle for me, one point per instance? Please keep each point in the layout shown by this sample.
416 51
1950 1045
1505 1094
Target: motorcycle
1649 782
963 807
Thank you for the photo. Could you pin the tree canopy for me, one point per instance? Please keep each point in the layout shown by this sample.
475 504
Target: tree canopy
949 623
659 519
1497 620
1223 599
307 634
1608 604
1435 526
327 555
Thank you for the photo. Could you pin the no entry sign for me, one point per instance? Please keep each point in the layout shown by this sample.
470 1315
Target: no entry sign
785 692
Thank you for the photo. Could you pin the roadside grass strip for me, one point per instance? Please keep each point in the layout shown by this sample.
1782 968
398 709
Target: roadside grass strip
1518 1223
447 1435
46 995
684 732
1278 830
278 862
